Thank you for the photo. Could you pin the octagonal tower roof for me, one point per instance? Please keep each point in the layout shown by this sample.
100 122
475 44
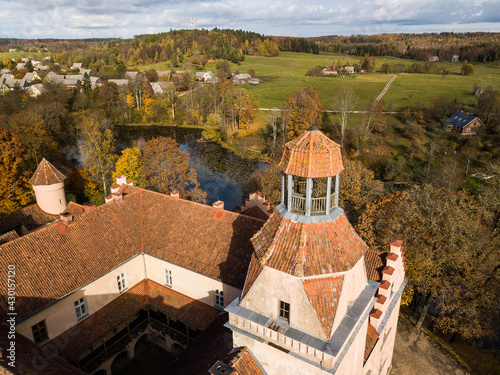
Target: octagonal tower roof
312 155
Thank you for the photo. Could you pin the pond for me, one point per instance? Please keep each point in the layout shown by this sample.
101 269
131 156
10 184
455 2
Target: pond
221 172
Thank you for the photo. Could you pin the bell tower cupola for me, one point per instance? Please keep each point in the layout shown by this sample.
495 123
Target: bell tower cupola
311 165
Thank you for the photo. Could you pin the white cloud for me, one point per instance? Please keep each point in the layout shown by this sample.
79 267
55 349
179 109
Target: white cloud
125 18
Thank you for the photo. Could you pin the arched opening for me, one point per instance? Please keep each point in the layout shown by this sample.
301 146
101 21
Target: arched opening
119 362
141 345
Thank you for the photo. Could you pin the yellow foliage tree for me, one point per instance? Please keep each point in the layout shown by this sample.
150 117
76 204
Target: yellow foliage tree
131 165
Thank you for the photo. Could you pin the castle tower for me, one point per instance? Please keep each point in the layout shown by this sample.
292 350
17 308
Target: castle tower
48 184
307 304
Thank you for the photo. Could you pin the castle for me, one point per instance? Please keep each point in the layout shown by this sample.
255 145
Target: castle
300 292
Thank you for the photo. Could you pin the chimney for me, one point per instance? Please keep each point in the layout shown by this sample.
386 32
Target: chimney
115 189
118 197
174 193
130 183
66 218
108 199
219 205
121 180
87 206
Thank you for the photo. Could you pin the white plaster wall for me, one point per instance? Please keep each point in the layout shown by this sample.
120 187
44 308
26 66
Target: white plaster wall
274 361
189 283
61 316
51 198
352 363
273 286
354 282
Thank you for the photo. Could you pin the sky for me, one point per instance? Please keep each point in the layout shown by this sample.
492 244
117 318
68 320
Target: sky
126 18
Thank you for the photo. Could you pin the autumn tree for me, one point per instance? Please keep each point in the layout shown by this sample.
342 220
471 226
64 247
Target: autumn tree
368 63
167 168
81 187
452 258
98 150
344 103
268 182
15 189
130 164
301 111
357 188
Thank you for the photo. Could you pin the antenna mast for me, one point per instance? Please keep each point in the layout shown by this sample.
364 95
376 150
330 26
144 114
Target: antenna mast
192 23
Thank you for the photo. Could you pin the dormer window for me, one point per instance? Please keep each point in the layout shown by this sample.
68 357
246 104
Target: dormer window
284 311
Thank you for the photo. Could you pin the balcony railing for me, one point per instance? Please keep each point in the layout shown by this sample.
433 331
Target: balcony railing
318 205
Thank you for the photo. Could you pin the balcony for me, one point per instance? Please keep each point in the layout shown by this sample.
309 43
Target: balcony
318 205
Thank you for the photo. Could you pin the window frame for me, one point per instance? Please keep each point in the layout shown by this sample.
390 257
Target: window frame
40 329
81 308
122 282
284 311
168 278
219 299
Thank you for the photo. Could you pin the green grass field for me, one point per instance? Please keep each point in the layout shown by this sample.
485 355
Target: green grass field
282 76
15 55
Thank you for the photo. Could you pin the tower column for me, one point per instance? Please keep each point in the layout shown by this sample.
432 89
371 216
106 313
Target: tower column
283 181
337 180
290 187
328 194
309 187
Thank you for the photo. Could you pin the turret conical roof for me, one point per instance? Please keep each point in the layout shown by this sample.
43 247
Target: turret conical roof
312 155
46 174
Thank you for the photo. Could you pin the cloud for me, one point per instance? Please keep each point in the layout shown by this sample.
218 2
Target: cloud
125 18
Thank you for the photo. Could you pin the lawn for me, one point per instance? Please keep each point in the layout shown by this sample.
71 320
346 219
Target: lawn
282 76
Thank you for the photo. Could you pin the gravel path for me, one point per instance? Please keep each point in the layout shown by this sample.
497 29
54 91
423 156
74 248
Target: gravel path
420 357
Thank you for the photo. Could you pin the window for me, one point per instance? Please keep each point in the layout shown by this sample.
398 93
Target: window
80 308
40 332
219 298
168 277
122 285
285 311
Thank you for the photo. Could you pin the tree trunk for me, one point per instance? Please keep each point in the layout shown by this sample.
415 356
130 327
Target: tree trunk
423 314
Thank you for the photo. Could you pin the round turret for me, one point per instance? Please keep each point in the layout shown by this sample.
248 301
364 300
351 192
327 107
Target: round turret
48 184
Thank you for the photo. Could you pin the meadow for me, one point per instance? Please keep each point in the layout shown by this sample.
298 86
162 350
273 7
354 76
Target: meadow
282 76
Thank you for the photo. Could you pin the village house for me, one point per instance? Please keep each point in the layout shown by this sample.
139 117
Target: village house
207 77
159 88
30 77
464 123
77 66
299 290
21 66
119 82
331 70
95 82
36 90
131 75
241 78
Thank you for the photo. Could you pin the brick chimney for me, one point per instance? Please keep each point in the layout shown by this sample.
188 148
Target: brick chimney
174 193
121 180
66 217
219 205
115 189
87 206
118 197
108 199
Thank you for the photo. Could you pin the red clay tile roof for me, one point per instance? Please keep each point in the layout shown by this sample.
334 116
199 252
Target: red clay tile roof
190 311
31 359
324 294
9 236
255 212
108 235
312 249
371 340
211 345
99 323
240 362
31 217
46 174
312 155
374 263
